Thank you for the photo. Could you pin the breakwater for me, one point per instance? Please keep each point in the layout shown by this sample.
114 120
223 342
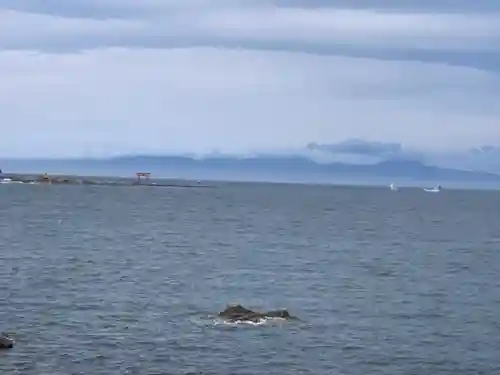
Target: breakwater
46 179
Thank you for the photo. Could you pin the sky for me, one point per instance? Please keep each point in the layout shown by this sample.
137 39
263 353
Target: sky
102 77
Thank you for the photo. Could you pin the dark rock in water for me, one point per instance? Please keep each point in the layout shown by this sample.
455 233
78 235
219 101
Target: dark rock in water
240 313
6 342
279 314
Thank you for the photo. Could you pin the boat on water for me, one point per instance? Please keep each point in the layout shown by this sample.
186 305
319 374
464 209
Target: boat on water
435 189
393 187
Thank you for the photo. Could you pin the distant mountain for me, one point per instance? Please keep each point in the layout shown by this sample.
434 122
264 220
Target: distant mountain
351 159
358 151
359 146
291 165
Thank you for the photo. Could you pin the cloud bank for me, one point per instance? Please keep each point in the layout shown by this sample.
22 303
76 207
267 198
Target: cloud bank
91 77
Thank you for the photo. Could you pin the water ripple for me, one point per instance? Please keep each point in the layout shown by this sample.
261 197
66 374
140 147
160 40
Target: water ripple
128 281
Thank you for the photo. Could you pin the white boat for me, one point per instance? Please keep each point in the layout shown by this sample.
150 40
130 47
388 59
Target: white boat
435 189
393 187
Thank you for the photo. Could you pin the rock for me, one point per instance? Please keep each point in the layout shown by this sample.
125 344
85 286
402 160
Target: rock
6 342
284 314
240 313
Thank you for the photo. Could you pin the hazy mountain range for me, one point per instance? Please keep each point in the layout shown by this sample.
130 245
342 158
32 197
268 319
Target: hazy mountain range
351 160
482 158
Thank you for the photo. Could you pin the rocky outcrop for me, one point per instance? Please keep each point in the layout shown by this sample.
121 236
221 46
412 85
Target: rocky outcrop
6 342
240 313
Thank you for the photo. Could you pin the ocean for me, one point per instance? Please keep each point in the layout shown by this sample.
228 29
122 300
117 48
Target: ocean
128 280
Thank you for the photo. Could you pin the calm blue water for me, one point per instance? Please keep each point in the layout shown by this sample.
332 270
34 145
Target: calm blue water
110 280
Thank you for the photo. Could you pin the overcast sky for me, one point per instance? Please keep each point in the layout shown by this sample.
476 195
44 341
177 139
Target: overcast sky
96 77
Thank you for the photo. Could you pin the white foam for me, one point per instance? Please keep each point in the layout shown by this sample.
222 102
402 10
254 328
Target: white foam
260 322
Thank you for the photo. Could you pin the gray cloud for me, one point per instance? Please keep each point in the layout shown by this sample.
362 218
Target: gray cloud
91 24
199 99
459 6
135 8
237 75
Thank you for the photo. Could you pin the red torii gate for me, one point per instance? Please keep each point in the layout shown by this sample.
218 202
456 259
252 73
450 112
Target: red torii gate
139 175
